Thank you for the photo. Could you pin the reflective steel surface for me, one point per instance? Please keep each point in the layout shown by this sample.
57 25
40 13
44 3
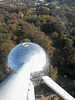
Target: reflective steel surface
34 55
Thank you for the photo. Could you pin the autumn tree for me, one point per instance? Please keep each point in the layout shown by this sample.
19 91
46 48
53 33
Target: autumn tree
63 56
53 72
44 41
4 50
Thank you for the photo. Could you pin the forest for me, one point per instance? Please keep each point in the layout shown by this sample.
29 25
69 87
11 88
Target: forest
51 26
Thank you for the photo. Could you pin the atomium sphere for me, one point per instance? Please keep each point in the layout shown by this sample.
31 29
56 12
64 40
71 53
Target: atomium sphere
32 53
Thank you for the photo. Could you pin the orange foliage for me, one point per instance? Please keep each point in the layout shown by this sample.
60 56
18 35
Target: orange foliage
6 47
14 37
53 72
12 27
1 17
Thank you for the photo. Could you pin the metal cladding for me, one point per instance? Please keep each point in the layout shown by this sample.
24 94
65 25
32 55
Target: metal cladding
33 54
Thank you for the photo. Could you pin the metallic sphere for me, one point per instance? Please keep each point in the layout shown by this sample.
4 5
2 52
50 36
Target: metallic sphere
32 53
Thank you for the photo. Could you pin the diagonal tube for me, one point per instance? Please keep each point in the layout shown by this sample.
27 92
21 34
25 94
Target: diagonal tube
55 87
15 87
